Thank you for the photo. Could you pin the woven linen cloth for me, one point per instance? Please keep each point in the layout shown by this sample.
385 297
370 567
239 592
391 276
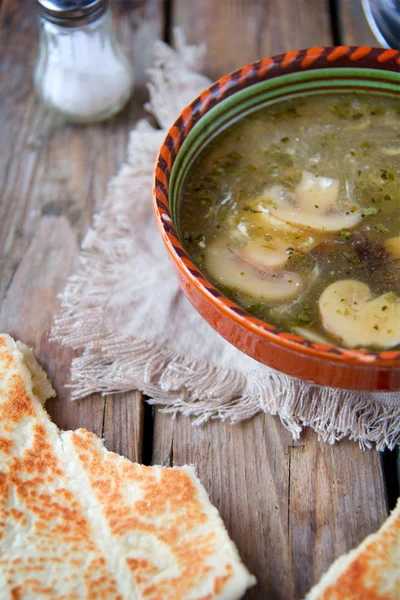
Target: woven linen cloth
136 329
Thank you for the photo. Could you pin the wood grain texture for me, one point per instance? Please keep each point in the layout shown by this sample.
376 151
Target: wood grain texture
53 179
291 508
241 31
123 424
354 28
139 23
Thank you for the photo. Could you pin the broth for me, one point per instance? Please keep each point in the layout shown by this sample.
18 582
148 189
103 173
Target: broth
293 213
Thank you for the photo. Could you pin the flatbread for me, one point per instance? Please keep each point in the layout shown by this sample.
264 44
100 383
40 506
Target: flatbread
370 572
79 522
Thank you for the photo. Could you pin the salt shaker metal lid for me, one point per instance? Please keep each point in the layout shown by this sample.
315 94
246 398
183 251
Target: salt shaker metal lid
72 13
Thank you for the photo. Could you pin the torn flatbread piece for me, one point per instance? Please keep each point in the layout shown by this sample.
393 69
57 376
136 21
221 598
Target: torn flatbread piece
79 522
370 572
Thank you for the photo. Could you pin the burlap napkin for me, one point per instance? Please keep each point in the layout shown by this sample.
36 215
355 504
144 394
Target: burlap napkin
136 329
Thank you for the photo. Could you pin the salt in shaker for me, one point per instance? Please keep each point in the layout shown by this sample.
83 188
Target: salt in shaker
81 71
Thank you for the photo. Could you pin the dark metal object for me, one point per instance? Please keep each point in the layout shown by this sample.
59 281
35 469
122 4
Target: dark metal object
383 17
72 13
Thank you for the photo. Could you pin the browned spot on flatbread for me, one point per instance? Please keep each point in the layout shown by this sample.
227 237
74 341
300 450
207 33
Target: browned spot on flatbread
152 591
5 445
140 564
16 593
18 515
7 362
142 569
39 459
18 404
222 579
99 583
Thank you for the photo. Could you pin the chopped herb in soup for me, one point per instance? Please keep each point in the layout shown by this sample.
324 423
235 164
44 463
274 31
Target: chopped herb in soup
294 213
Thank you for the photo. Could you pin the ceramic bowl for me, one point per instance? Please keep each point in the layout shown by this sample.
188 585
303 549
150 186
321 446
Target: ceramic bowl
266 82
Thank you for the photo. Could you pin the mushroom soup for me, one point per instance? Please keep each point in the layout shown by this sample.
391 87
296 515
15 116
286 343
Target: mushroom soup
294 213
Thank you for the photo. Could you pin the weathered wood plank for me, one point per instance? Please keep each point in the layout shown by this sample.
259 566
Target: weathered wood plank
241 31
27 310
353 26
139 23
53 178
291 508
123 424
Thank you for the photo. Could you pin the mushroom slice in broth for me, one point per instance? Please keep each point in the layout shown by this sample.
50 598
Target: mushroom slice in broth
350 313
313 204
311 335
229 270
262 253
392 246
264 241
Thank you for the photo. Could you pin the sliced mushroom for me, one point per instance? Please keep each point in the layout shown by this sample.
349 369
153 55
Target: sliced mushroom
264 241
313 204
262 253
360 125
392 245
390 151
230 270
311 335
350 313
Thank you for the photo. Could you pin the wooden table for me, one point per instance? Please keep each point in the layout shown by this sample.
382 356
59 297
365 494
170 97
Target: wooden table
291 507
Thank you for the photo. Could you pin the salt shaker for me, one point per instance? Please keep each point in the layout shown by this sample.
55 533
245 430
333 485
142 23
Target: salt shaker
81 71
